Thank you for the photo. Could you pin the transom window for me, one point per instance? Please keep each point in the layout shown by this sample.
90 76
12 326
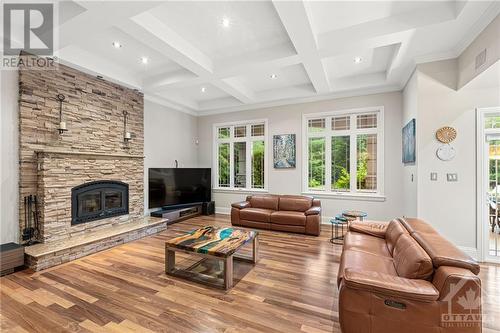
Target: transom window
240 151
343 152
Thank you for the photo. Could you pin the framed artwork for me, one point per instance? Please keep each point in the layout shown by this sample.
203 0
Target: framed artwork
409 143
284 151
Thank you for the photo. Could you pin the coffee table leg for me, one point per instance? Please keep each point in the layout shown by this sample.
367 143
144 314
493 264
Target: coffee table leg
228 272
169 260
255 254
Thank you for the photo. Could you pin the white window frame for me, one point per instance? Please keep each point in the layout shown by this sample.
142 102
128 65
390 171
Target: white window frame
231 140
353 132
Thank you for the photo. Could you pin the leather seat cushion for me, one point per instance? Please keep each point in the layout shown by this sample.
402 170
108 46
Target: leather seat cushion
394 230
288 218
361 242
256 214
264 201
297 203
410 259
364 261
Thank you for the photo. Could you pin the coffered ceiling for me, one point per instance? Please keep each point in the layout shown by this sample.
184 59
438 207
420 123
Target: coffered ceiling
207 57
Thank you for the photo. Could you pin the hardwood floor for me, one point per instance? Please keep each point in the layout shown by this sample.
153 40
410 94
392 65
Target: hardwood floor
291 289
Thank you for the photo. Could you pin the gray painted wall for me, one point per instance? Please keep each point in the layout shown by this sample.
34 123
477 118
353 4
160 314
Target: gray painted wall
288 119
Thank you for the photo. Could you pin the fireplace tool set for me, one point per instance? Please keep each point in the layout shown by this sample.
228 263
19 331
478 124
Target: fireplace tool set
31 231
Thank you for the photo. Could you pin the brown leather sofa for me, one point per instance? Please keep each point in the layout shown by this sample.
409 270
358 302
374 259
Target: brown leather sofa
293 213
403 276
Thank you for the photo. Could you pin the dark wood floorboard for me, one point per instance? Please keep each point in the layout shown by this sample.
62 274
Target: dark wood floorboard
291 289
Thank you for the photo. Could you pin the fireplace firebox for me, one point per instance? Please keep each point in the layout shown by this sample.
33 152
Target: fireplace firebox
98 200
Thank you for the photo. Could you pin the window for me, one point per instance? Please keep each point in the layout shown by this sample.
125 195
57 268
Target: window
343 152
240 151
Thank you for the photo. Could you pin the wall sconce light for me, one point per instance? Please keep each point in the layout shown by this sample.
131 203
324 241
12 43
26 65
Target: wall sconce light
126 135
62 124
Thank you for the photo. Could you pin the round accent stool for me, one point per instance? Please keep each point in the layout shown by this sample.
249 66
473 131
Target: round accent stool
338 224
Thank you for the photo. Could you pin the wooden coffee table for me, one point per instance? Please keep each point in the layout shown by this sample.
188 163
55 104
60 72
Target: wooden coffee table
213 243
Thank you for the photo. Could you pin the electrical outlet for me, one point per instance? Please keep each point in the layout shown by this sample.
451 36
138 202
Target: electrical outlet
434 176
452 177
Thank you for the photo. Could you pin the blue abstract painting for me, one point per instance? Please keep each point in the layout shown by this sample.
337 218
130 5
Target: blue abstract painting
284 151
409 143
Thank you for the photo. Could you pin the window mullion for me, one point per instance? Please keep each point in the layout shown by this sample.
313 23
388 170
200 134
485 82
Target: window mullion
328 163
248 164
352 157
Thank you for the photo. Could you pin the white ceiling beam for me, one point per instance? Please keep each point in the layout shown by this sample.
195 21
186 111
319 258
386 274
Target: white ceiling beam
165 82
296 19
153 32
329 42
96 18
150 30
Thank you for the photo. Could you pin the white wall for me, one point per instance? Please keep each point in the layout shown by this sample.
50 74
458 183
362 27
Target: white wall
488 39
450 206
409 190
9 92
169 135
288 120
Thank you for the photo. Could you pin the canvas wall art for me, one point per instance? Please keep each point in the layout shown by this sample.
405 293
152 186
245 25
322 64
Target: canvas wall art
409 143
284 151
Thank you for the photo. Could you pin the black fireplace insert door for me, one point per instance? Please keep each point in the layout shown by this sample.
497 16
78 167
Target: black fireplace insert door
98 200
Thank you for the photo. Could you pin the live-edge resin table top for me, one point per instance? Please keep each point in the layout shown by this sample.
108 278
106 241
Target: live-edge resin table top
216 241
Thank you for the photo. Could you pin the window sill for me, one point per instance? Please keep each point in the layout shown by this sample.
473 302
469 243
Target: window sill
347 196
239 190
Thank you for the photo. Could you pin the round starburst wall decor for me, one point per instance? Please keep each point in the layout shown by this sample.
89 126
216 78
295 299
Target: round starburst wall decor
446 134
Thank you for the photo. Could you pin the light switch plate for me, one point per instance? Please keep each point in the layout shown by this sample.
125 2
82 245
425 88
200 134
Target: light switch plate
452 177
434 176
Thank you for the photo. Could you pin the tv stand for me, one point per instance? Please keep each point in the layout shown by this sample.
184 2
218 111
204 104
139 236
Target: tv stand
178 213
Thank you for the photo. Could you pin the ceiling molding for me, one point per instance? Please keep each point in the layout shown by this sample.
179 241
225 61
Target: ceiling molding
316 98
184 59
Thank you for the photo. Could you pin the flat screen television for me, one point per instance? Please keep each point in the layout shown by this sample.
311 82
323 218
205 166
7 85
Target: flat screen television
179 186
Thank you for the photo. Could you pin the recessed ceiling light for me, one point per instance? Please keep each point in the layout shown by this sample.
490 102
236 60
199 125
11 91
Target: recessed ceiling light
117 44
203 89
144 60
357 60
274 76
226 22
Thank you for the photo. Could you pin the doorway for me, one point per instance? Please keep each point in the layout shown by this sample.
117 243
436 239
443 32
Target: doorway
488 148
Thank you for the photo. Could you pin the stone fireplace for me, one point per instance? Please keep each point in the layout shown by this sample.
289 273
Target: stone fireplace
89 181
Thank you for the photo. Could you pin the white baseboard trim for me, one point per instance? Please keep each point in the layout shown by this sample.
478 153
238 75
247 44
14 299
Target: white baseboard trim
473 252
222 210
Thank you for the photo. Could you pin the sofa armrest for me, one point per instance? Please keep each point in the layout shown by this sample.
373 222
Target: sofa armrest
241 205
315 210
392 286
373 228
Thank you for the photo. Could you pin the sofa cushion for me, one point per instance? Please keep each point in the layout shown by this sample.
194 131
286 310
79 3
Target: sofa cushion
361 242
256 214
288 217
444 253
394 230
364 261
264 201
297 203
410 259
413 224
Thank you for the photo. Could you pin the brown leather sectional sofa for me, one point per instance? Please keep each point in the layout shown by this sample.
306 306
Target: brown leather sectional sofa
403 276
293 213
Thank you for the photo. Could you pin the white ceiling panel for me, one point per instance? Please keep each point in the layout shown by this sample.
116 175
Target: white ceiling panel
253 26
372 61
